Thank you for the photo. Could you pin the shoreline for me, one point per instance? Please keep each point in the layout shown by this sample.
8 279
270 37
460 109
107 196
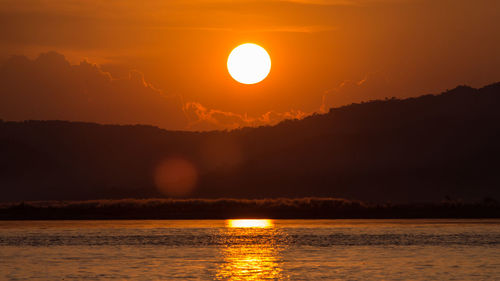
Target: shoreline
205 209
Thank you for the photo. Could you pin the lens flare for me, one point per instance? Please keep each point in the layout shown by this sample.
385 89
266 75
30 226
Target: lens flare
175 177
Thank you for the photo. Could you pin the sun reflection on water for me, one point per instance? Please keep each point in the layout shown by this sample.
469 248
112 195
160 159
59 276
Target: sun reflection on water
259 223
250 251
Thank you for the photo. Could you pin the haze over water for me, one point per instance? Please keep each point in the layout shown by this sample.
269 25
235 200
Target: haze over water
251 250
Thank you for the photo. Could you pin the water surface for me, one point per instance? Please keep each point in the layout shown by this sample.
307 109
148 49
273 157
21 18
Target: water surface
251 250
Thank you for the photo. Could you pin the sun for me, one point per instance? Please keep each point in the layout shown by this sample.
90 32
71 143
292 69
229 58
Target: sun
249 63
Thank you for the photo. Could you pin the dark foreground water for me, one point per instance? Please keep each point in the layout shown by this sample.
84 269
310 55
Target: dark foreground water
251 250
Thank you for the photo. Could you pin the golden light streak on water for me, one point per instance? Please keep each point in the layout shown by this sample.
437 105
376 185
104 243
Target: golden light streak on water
251 251
256 223
255 262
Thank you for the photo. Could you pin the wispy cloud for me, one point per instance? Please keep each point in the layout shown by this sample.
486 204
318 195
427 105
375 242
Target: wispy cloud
287 28
202 118
343 2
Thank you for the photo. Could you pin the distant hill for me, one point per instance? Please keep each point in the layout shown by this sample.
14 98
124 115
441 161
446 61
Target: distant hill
429 148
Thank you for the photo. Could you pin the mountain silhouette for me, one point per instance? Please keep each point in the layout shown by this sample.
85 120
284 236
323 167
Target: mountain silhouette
401 150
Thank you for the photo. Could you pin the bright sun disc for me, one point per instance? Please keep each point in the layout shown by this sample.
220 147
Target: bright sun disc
249 63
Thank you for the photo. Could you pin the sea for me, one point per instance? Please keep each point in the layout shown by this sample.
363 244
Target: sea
250 249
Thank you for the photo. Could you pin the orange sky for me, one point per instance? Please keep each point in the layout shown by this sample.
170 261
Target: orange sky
324 53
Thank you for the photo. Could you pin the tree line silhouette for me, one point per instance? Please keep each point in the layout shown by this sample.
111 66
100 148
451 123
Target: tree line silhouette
280 208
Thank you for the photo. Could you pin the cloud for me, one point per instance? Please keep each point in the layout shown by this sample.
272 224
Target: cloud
297 29
49 87
324 2
374 86
343 2
202 118
267 29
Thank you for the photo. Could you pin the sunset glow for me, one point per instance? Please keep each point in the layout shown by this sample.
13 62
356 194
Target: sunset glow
214 65
145 140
